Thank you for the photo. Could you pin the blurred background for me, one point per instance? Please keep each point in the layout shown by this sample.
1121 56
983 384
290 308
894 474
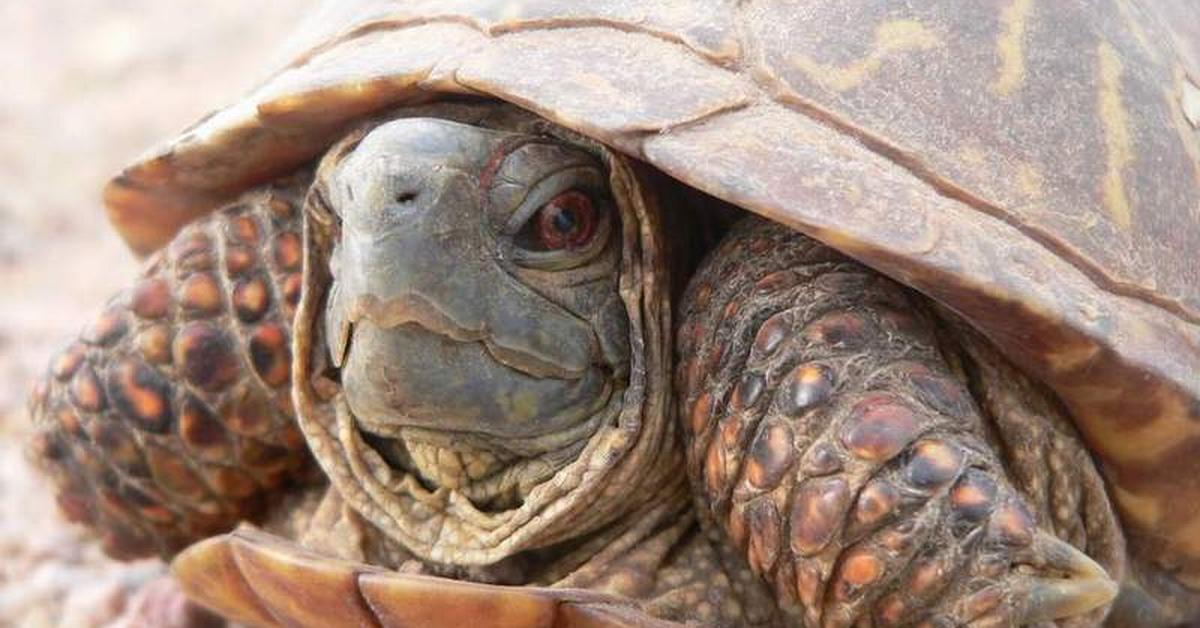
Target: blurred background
86 86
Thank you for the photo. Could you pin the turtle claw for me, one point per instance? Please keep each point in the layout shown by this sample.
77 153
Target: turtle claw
1081 586
1047 599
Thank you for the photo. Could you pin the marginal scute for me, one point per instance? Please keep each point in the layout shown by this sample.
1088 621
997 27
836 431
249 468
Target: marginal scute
302 589
925 576
808 583
419 601
774 281
281 208
208 570
123 543
714 470
652 100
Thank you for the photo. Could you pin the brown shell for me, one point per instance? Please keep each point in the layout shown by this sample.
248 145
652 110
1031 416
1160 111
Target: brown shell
1033 165
256 579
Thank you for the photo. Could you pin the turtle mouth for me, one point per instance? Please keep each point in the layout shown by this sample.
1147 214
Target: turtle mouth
413 309
409 368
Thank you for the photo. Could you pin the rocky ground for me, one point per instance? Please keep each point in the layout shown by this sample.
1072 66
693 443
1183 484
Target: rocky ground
85 86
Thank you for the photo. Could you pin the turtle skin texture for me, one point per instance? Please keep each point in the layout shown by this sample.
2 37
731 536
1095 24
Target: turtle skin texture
834 435
170 418
838 457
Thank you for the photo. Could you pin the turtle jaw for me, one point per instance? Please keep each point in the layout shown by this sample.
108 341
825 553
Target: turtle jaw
409 376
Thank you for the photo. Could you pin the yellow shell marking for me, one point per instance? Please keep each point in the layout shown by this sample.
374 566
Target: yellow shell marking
1133 21
1010 47
890 37
1029 181
1115 120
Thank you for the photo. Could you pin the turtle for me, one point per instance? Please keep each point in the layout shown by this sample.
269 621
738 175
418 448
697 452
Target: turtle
609 313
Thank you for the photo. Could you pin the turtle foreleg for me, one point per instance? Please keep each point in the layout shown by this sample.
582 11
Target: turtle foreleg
169 419
831 440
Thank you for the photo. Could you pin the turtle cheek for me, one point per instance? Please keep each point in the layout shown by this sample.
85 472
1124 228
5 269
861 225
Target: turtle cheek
410 376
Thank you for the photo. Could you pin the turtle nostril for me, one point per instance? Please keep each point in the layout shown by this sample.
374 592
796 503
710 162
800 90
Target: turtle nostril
406 197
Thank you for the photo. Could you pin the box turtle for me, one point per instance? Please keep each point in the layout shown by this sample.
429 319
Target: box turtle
605 312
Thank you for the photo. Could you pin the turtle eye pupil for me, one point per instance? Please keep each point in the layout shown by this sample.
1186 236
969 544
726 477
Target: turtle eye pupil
565 221
568 221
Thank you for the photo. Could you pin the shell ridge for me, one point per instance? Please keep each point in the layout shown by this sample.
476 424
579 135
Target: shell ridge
783 95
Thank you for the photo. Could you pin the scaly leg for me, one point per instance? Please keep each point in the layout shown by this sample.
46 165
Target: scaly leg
831 440
170 418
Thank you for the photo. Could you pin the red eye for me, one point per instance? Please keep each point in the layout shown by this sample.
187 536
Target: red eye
568 221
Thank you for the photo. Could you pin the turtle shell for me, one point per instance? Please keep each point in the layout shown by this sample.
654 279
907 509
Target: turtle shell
1033 166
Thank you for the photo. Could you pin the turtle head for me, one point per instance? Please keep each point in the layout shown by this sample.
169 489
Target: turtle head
490 294
475 286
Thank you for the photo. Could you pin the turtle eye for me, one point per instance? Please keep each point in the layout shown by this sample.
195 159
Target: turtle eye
566 222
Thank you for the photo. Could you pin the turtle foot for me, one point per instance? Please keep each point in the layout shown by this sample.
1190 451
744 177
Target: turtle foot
834 442
170 418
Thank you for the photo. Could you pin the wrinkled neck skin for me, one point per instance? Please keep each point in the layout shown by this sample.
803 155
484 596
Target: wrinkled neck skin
482 354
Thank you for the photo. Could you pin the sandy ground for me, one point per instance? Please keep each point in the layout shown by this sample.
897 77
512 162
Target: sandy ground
85 86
